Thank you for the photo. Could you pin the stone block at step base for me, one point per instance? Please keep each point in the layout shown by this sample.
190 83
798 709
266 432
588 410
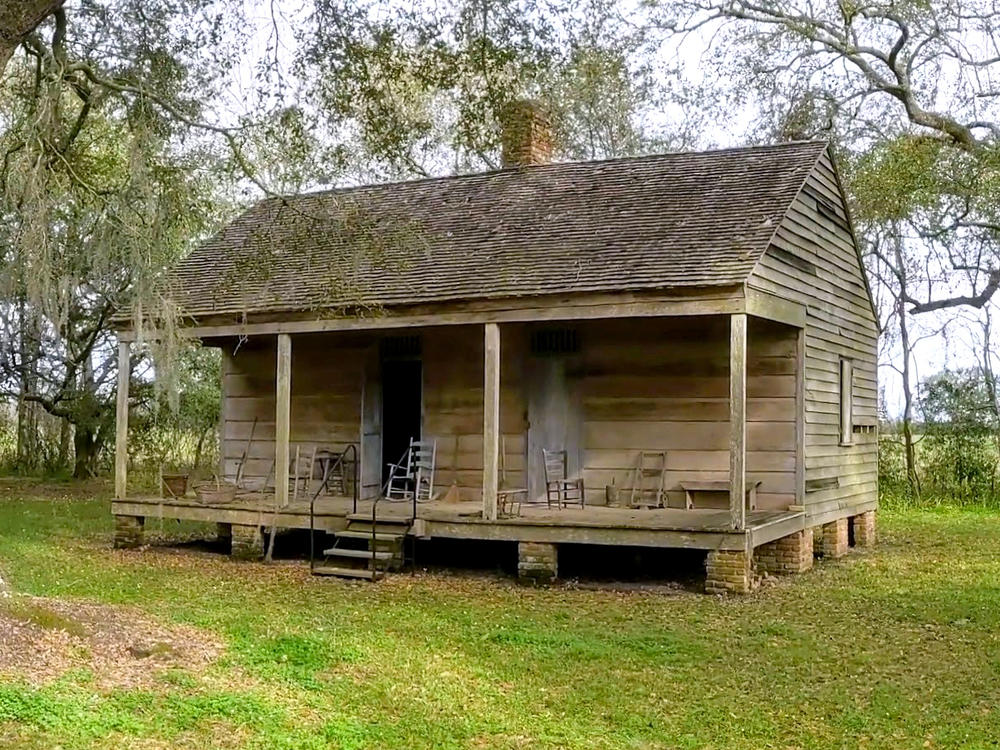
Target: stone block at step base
128 531
864 529
729 572
786 556
247 542
537 562
833 539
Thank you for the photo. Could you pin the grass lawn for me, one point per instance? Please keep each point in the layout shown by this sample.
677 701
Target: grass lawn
895 648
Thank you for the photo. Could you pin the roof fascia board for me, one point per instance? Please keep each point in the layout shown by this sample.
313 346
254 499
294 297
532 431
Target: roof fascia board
723 301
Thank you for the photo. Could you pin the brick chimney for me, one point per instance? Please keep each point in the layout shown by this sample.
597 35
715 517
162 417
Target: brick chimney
526 134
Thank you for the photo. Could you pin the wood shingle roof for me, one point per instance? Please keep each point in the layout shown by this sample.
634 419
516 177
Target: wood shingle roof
657 222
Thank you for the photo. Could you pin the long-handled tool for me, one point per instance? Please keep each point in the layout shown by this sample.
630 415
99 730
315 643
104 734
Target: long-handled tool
246 454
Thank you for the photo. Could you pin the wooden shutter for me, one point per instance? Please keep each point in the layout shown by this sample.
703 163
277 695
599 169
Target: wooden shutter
846 401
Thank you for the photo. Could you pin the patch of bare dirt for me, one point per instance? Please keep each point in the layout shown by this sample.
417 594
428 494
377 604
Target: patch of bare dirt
41 639
49 489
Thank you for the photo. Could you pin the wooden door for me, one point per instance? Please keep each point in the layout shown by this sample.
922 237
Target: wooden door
371 426
554 416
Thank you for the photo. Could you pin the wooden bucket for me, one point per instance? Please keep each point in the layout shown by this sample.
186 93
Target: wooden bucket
611 494
173 485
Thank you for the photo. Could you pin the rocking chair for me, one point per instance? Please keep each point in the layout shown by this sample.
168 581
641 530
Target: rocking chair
413 476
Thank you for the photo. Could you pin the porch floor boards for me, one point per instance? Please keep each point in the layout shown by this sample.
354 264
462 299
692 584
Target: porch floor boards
707 528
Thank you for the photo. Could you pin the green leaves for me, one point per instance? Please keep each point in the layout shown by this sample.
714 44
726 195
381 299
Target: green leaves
901 177
423 90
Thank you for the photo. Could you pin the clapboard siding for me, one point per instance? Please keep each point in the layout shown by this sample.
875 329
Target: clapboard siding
839 323
327 375
663 385
453 405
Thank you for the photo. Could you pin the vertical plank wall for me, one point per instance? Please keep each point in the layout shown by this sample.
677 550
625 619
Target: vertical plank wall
327 374
453 404
813 261
646 384
663 384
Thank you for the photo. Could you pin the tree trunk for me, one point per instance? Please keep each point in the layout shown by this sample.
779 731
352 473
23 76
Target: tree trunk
912 478
199 448
27 411
6 52
911 455
18 18
65 437
87 445
989 376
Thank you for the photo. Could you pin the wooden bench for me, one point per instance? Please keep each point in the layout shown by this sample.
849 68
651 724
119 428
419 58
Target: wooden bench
720 486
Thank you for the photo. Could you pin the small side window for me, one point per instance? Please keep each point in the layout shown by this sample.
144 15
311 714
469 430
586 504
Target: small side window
846 401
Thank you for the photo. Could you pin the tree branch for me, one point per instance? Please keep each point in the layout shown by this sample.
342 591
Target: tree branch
976 300
18 19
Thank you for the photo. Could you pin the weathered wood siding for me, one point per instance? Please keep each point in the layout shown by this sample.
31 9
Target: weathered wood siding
642 384
453 405
327 375
813 261
663 384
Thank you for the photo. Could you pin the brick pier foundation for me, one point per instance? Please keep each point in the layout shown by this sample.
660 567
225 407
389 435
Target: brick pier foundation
728 572
128 531
247 542
833 539
788 555
537 562
864 529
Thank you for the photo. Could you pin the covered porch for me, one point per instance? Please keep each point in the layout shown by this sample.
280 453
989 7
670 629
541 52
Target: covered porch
718 396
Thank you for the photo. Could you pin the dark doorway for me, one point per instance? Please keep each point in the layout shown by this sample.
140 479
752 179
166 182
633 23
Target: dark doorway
402 388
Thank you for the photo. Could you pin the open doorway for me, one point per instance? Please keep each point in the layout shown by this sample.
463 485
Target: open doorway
555 412
402 399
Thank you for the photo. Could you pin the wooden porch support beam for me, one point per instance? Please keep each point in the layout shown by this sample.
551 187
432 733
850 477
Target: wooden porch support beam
491 420
282 419
121 420
717 302
737 419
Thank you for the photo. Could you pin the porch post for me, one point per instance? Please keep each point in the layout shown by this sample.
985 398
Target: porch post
491 420
282 419
737 419
121 420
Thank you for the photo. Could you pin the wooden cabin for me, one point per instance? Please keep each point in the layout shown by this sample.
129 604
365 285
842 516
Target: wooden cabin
692 334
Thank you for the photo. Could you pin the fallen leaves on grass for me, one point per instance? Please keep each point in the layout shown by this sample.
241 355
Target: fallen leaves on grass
42 639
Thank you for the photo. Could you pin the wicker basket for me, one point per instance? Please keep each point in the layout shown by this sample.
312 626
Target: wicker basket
173 485
215 493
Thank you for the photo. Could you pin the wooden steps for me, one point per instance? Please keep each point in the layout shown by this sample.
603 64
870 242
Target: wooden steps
380 536
360 573
362 554
359 553
390 520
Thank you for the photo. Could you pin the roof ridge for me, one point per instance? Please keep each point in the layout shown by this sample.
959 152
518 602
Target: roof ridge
815 142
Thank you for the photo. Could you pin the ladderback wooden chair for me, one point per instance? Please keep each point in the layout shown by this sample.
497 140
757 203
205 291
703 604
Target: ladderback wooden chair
423 454
302 471
414 473
559 488
509 497
336 471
